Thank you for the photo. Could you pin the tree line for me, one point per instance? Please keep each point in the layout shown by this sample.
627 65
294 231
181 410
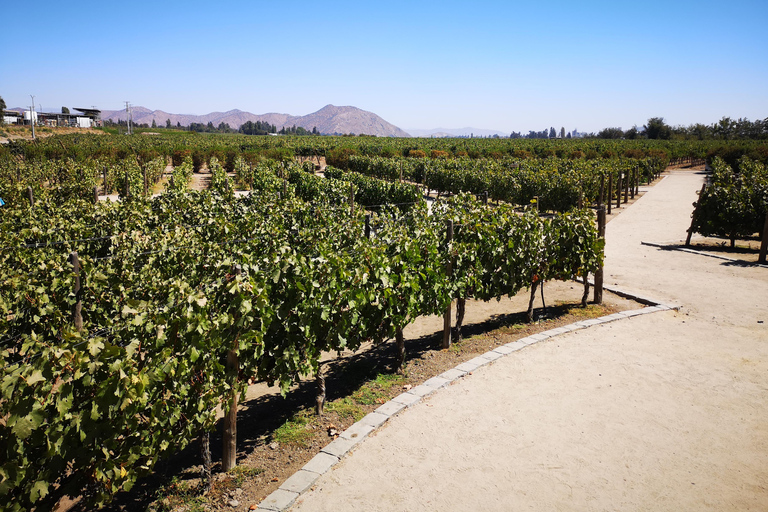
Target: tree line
725 129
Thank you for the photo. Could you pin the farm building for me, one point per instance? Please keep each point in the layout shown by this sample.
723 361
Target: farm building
86 118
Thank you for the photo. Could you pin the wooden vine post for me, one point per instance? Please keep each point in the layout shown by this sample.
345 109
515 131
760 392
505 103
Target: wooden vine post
31 197
95 195
77 311
598 294
449 272
601 194
367 225
637 182
764 243
694 215
351 198
627 179
618 191
610 192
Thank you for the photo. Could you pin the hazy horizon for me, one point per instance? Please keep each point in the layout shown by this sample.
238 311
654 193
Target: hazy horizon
492 65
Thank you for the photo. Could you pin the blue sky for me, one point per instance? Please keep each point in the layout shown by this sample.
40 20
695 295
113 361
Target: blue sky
420 64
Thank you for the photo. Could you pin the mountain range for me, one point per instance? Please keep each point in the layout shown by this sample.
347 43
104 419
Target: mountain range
455 132
328 120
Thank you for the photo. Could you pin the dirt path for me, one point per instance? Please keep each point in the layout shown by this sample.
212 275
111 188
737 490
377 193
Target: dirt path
660 412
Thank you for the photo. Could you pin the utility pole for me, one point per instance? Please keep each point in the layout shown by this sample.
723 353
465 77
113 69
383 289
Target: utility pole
32 116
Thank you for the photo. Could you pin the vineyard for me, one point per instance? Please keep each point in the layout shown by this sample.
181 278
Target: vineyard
125 325
735 205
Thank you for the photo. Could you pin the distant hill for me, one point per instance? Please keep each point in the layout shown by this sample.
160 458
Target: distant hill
328 120
455 132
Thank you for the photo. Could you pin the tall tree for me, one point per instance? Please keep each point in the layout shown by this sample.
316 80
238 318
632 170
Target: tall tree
632 133
167 123
610 133
657 129
562 132
552 132
2 111
64 110
154 124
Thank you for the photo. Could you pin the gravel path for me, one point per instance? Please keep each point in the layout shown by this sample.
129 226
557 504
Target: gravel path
667 411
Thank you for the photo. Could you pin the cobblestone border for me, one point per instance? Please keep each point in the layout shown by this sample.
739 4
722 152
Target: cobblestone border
285 496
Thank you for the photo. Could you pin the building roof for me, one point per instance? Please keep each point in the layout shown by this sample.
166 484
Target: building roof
89 111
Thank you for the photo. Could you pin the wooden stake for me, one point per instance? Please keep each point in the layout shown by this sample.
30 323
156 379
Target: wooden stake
31 196
77 311
600 196
351 198
609 197
627 179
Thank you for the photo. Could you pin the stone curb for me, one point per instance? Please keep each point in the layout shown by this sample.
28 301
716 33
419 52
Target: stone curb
284 497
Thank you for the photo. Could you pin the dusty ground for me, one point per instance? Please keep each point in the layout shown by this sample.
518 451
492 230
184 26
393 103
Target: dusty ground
661 412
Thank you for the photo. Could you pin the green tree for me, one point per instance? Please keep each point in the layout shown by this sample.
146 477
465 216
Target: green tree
562 132
657 129
154 124
632 133
2 111
167 123
724 128
610 133
64 110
